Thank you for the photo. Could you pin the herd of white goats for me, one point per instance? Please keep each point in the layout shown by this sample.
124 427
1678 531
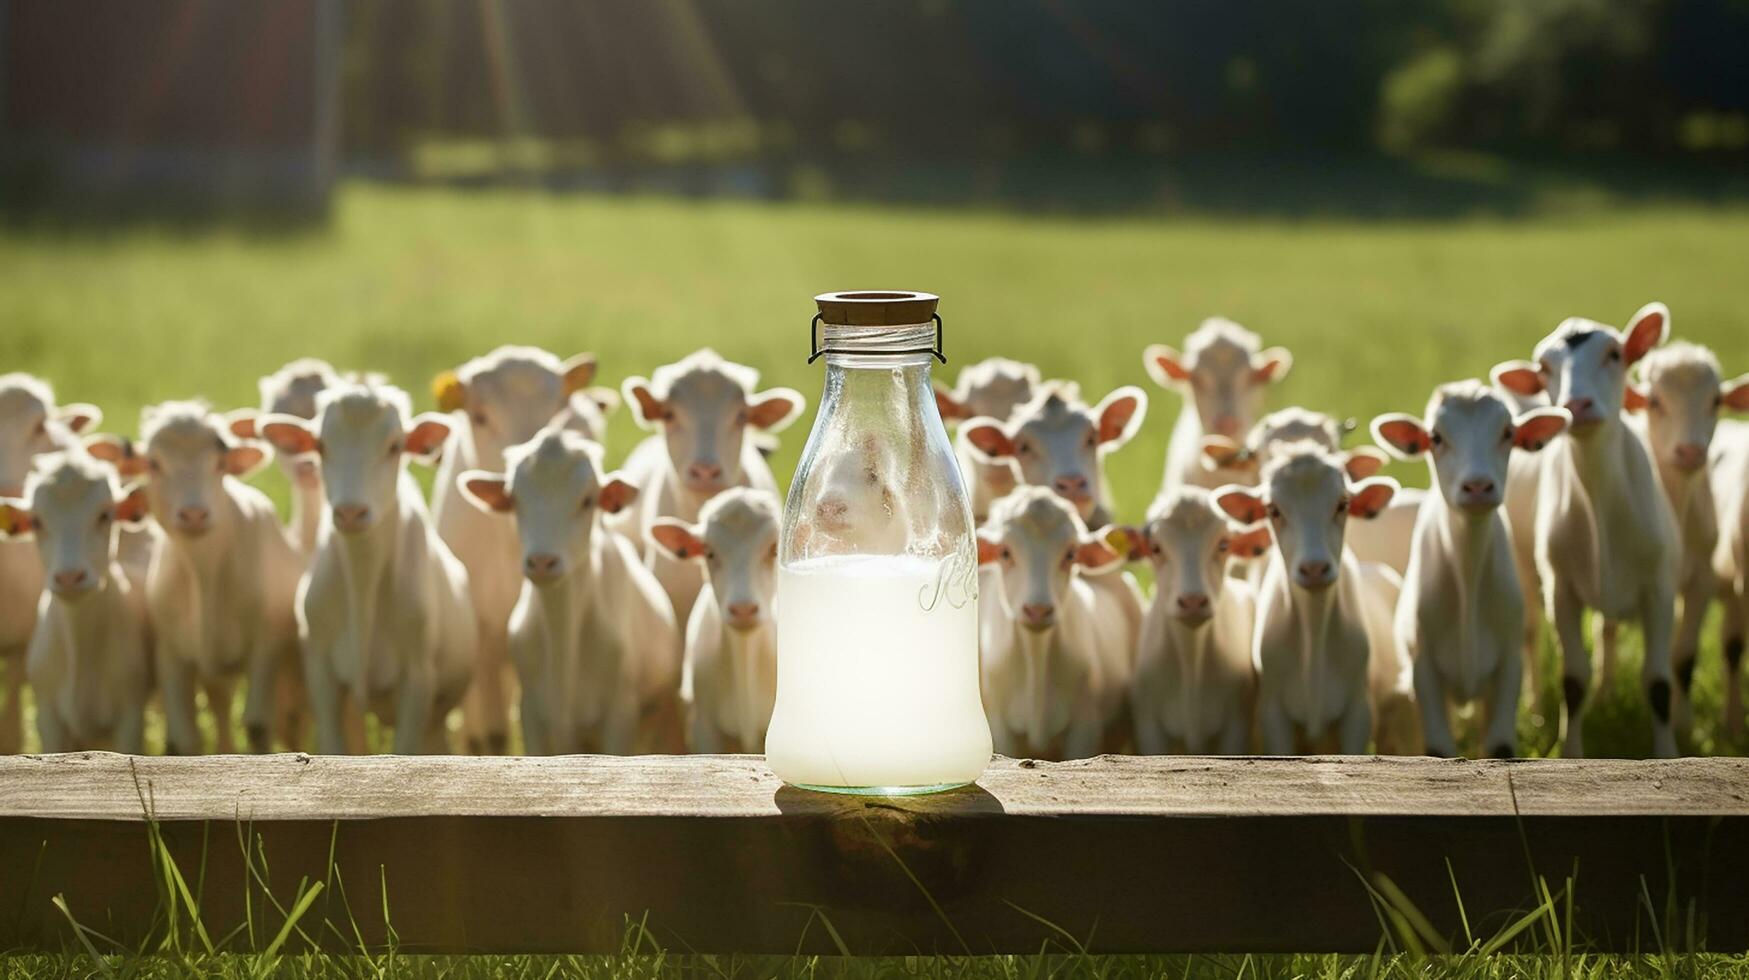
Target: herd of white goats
1301 602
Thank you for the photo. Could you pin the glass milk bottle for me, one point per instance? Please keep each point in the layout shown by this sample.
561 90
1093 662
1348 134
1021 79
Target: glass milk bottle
877 608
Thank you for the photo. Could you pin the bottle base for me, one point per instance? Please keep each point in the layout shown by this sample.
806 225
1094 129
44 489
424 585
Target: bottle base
882 790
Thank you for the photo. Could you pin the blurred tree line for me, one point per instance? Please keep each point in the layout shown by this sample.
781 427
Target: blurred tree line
953 79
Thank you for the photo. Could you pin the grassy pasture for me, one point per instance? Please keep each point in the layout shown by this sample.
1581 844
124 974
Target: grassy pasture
412 281
409 282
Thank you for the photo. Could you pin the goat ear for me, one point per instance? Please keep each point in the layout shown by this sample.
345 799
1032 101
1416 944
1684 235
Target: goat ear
288 435
426 437
242 423
1518 377
246 459
1096 557
1120 414
1645 331
1403 436
1242 504
1129 542
79 416
1369 497
1734 394
774 409
486 490
16 521
988 438
1252 542
989 549
1222 453
117 451
1271 365
951 408
648 410
132 508
1165 365
616 493
1364 461
677 538
1534 429
579 371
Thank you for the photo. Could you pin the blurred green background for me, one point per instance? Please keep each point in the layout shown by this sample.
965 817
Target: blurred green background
193 193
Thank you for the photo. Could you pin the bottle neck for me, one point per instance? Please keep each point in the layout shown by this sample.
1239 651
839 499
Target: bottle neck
862 348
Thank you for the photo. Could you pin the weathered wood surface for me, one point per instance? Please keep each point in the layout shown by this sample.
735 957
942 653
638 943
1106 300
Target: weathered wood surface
1122 853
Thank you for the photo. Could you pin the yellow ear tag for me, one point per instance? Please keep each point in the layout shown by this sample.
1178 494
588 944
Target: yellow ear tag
1121 541
449 392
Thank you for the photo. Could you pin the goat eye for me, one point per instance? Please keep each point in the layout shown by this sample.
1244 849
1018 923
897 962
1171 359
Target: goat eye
479 418
42 427
1274 512
588 502
105 516
395 448
1341 506
1223 546
1718 402
741 417
1614 354
1437 439
1507 435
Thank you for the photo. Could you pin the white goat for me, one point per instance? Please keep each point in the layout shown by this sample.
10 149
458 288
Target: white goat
1047 634
1323 649
729 681
89 655
1195 686
384 613
1462 612
1605 535
505 397
1225 373
593 635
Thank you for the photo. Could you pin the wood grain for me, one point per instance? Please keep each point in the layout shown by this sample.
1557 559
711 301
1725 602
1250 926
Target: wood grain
1140 854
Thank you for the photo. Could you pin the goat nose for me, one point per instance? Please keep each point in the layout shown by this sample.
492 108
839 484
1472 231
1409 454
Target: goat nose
1478 485
743 612
1578 406
1690 456
542 564
704 472
1316 571
1225 425
1037 612
1193 602
71 579
192 516
1071 485
350 517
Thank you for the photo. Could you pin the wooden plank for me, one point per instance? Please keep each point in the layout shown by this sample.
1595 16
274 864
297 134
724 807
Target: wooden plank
1123 853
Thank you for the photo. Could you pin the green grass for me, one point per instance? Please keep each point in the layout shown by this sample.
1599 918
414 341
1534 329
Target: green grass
413 281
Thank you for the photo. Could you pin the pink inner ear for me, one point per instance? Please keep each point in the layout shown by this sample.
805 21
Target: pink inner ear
1115 417
1242 507
1405 435
677 540
1173 369
990 440
988 551
1644 336
948 406
649 406
616 495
